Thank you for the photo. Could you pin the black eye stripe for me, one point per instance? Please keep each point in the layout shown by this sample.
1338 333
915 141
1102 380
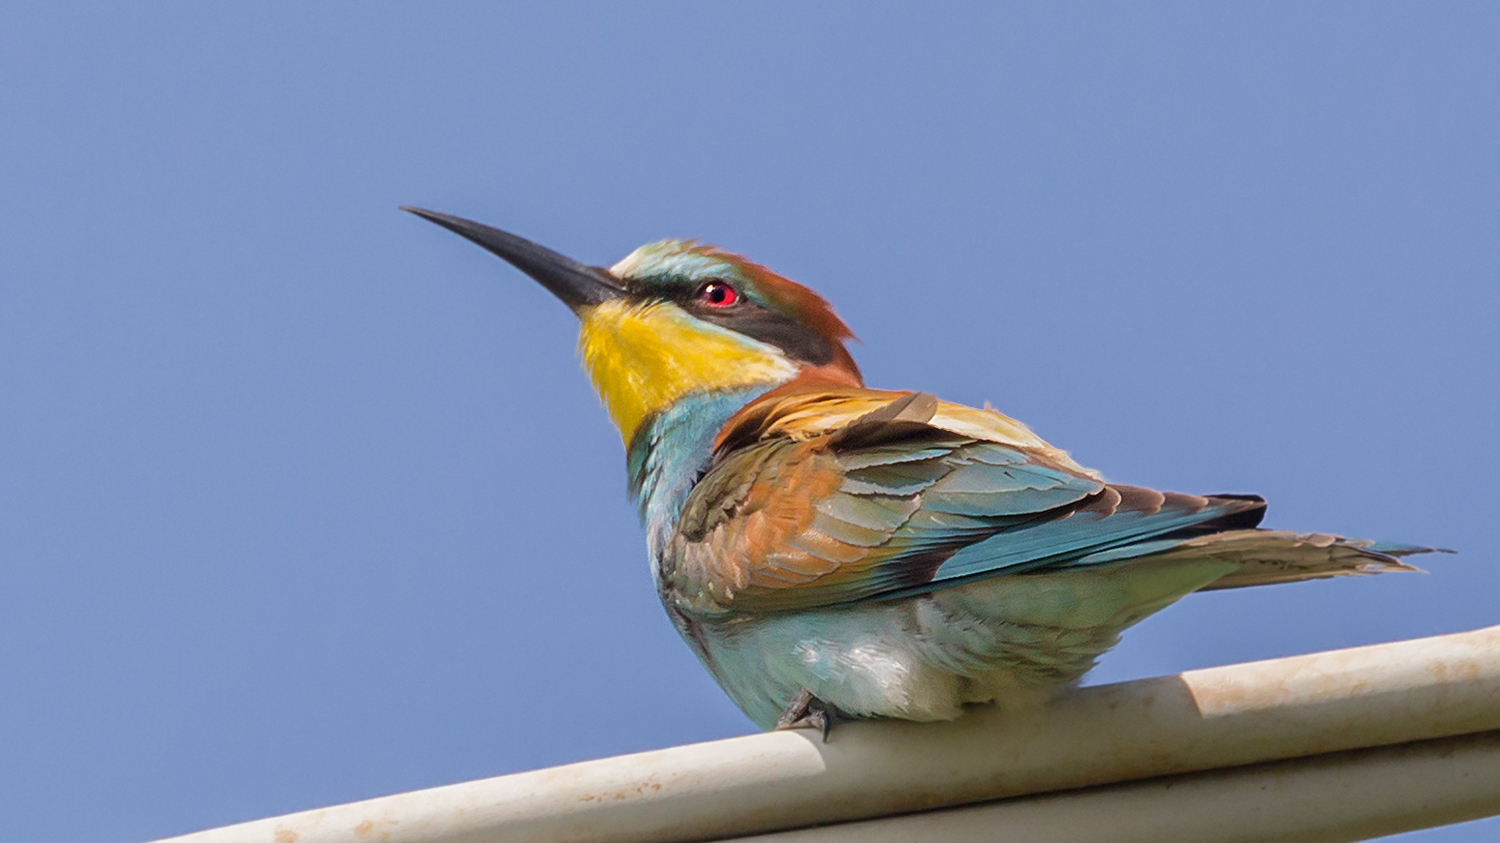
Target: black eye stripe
770 327
747 316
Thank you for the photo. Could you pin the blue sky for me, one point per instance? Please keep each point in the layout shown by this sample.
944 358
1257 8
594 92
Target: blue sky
303 500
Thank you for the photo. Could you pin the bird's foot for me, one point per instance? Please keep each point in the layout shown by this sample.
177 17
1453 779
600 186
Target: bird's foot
806 711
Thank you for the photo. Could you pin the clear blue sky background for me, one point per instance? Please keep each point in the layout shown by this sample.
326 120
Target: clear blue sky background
303 500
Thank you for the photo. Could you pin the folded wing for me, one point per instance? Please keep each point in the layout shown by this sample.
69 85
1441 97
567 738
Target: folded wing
906 495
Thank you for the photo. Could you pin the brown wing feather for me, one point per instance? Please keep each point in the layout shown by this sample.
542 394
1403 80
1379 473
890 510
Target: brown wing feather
797 512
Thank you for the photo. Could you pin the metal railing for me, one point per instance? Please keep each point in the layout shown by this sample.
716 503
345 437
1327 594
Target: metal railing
1343 745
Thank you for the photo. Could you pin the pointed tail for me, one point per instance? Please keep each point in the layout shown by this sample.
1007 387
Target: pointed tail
1267 557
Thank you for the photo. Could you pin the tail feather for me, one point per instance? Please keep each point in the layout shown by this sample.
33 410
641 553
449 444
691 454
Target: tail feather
1267 557
1394 549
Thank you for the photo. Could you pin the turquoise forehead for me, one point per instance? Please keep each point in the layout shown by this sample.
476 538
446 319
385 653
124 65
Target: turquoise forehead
676 261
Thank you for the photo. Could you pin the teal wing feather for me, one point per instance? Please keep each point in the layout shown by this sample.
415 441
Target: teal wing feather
890 506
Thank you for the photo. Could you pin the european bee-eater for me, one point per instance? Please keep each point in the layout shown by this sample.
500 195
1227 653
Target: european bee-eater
834 551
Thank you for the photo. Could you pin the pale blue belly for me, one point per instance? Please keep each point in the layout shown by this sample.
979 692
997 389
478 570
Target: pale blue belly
1009 639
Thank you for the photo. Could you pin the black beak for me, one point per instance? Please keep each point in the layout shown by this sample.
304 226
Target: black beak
579 286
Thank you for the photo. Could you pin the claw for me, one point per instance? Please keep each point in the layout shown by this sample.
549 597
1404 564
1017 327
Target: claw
806 711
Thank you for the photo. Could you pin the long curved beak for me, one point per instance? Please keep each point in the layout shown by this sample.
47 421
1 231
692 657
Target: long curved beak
579 286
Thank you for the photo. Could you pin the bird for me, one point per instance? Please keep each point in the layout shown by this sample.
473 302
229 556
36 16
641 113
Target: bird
833 552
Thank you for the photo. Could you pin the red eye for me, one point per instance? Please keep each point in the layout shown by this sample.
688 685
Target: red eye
718 294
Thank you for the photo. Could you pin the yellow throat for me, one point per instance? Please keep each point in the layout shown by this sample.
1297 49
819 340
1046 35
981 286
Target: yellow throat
643 358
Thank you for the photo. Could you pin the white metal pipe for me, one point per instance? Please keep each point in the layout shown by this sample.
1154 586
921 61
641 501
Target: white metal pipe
1200 720
1330 798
